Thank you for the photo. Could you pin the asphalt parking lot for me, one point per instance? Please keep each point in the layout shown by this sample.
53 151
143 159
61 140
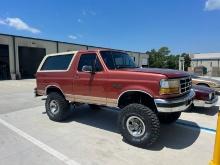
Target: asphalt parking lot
91 137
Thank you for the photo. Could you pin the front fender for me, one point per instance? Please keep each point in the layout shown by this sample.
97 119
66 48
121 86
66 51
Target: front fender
131 88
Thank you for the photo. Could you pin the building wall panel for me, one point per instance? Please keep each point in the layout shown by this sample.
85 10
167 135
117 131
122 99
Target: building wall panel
144 59
8 40
93 47
50 46
65 47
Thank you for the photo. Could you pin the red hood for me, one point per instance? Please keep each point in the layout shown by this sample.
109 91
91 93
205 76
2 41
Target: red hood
170 73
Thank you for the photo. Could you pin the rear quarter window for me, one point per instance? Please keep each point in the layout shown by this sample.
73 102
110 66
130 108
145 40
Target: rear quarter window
59 62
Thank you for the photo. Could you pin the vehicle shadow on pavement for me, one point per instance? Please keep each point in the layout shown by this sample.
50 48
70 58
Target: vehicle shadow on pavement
205 111
177 136
174 136
104 118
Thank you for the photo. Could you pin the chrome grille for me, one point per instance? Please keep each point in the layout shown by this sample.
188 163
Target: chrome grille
185 84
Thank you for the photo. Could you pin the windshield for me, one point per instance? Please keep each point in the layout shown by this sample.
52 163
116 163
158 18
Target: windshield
117 60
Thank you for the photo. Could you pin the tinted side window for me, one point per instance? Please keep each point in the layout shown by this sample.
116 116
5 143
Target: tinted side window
89 60
98 65
107 57
59 62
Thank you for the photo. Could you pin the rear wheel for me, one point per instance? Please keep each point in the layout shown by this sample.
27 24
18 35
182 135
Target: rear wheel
168 118
139 125
57 107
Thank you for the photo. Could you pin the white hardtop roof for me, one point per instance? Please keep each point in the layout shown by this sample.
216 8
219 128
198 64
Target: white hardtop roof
62 53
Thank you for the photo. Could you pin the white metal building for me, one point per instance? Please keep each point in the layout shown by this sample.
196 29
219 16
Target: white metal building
20 56
209 60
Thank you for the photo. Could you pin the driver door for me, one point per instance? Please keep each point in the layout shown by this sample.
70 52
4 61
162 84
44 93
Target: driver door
89 86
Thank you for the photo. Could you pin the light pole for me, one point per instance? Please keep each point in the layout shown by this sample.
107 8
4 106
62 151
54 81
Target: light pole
181 63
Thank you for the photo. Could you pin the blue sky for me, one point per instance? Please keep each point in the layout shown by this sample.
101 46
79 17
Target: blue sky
182 25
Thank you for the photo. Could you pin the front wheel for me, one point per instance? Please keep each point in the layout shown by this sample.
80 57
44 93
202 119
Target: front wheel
139 125
168 118
57 107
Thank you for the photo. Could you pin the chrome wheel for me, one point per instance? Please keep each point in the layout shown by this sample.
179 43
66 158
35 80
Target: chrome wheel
135 126
54 107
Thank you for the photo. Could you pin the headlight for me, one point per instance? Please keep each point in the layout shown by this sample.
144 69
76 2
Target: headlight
169 86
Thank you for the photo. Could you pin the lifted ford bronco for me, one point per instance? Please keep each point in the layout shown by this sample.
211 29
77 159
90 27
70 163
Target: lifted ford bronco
146 97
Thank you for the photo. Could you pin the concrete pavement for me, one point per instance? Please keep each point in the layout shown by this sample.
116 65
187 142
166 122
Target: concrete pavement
91 137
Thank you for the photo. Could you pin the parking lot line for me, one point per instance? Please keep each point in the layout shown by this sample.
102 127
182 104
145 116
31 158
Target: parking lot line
204 129
40 144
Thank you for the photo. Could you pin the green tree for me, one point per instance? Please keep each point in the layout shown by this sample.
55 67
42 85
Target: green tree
164 51
162 58
187 60
153 59
172 62
158 59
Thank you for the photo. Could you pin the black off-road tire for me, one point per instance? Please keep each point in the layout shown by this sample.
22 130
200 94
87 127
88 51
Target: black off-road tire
168 118
148 117
62 103
94 107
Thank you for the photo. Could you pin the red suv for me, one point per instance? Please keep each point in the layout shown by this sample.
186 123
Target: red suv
145 97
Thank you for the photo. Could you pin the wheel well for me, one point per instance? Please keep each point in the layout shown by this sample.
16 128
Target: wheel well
204 84
53 89
136 97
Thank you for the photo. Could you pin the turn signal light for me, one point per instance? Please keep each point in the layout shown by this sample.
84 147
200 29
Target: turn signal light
166 91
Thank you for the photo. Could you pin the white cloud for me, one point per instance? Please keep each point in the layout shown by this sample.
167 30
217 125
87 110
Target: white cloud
2 22
18 24
79 20
212 5
73 37
88 12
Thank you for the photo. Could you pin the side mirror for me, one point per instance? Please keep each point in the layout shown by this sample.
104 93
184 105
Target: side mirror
87 68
